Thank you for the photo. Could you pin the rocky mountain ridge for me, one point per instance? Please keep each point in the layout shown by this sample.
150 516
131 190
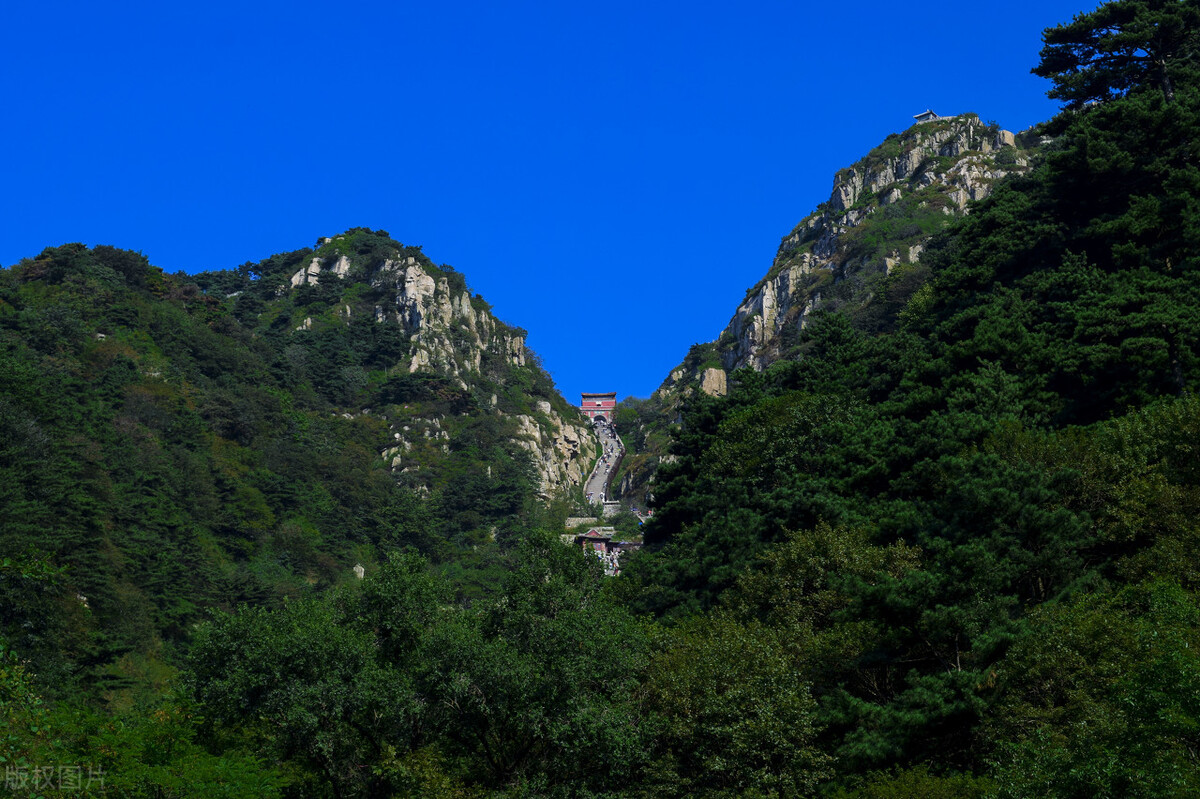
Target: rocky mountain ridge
921 178
935 167
853 250
451 332
880 213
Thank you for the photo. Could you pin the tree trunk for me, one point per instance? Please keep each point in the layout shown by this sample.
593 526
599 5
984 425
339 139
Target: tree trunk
1164 81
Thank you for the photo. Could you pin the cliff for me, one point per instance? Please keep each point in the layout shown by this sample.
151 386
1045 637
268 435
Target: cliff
879 214
857 253
179 442
448 332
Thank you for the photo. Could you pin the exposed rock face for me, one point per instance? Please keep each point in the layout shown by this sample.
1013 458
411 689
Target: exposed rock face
447 332
712 382
879 216
309 274
557 452
450 333
312 273
932 168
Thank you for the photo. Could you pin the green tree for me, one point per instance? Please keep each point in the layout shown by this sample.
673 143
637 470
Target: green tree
539 683
735 717
1119 47
918 781
305 685
1102 699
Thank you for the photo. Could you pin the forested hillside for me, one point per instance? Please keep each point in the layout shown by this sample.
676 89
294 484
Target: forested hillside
946 545
975 530
858 254
175 443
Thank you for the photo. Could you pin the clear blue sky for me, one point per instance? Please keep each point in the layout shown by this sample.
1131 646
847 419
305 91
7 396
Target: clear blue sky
617 168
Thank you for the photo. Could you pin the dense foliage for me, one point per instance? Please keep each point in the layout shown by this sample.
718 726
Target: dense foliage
949 550
1024 427
174 443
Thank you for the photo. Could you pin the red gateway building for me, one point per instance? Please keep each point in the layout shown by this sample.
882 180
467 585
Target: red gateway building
594 405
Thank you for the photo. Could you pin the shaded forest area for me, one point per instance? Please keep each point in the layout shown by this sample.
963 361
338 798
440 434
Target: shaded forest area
954 553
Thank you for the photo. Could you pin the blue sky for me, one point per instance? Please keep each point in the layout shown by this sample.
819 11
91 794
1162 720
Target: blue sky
611 177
